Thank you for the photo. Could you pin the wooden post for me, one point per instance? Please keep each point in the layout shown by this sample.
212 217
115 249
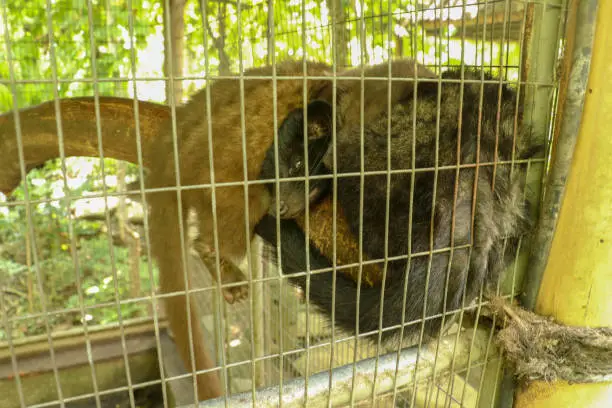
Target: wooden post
577 281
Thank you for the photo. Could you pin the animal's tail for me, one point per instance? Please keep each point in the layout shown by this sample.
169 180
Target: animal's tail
341 296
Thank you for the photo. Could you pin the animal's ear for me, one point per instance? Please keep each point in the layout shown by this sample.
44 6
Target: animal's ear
449 89
319 123
428 89
319 119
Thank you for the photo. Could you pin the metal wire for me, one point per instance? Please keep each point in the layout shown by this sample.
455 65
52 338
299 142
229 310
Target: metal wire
306 194
383 283
453 221
361 199
541 84
108 225
334 193
29 220
215 221
297 178
341 391
143 198
390 367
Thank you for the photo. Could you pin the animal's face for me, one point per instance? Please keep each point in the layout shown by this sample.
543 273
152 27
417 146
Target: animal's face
292 161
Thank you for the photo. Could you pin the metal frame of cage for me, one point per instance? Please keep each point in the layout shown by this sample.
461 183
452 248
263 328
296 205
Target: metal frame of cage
389 371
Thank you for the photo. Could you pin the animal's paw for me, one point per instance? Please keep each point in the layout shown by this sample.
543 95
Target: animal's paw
230 273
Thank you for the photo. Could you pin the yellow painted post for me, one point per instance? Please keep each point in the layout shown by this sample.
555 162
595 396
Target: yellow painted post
576 287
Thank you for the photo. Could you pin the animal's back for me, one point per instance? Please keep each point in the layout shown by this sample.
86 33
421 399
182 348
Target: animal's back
226 110
250 106
441 209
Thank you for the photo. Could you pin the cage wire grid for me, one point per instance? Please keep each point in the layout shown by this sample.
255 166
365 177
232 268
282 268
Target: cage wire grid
265 285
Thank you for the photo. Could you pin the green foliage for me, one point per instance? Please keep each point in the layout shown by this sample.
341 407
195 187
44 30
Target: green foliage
6 97
56 44
102 280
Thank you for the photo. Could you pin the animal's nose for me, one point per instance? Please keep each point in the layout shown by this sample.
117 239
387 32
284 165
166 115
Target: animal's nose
283 208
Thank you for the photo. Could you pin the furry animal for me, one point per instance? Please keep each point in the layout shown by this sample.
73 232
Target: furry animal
458 196
193 149
348 110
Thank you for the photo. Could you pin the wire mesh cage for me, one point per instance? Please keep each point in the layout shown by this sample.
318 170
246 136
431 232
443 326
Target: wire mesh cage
88 86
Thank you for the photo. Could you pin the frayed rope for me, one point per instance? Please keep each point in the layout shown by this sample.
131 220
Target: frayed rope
541 349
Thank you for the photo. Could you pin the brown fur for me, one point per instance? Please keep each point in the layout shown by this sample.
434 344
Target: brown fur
376 92
347 248
193 154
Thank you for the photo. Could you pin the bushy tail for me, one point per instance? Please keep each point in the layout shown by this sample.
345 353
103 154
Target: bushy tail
323 295
341 296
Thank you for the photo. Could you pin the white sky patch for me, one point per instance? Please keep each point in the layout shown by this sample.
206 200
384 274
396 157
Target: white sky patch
151 65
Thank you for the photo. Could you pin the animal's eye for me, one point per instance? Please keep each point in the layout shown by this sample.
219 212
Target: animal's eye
295 168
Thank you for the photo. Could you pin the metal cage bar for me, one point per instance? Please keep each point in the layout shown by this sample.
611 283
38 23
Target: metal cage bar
393 372
439 364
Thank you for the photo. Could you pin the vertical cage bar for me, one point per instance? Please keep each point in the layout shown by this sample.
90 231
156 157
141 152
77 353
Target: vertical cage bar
249 257
388 193
30 228
335 55
306 194
363 51
108 226
540 56
219 301
582 41
145 207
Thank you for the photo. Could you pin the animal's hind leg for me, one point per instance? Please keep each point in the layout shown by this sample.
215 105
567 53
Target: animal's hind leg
230 273
229 254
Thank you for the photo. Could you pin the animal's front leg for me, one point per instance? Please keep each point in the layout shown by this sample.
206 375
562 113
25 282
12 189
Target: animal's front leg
229 273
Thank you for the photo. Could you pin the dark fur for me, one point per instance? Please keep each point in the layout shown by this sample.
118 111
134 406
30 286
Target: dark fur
291 162
499 213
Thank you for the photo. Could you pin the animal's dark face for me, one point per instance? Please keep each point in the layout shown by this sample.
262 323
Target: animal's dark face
292 161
